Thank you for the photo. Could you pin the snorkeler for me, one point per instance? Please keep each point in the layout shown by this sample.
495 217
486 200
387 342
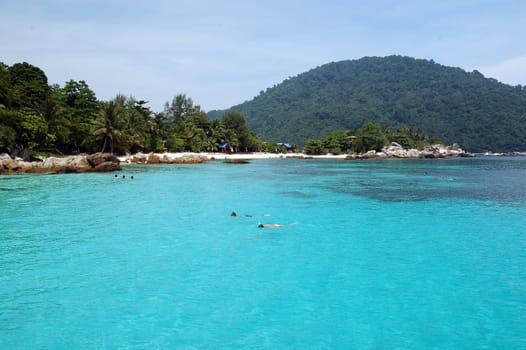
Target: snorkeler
242 215
275 225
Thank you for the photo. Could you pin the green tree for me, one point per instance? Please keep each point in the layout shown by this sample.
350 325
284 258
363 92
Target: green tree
9 121
135 124
314 147
158 132
22 132
108 125
337 142
216 135
80 109
180 107
29 86
7 138
58 125
370 137
237 129
5 86
140 123
33 132
194 135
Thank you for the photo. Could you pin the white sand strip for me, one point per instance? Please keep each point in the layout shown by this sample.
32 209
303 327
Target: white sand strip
235 156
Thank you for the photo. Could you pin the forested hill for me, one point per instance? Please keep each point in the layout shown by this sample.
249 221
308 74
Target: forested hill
456 106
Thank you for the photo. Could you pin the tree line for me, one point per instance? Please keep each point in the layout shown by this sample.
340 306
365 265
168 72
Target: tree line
36 117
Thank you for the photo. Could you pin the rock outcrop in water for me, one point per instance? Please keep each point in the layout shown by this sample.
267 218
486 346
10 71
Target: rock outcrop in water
97 162
397 151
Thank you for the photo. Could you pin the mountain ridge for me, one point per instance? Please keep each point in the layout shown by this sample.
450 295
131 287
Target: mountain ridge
396 91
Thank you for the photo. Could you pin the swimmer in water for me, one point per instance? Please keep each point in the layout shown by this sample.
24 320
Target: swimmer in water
275 225
234 214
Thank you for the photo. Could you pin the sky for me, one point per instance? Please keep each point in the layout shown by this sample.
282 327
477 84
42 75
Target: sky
222 53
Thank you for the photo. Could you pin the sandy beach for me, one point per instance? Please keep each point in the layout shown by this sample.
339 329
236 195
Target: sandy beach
236 156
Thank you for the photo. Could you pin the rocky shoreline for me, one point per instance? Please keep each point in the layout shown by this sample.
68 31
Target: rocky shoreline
97 162
397 151
105 162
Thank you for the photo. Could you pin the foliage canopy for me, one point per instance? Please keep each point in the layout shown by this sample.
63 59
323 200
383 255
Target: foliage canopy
37 117
398 92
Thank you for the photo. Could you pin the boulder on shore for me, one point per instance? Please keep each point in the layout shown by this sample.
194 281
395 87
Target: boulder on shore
103 162
98 162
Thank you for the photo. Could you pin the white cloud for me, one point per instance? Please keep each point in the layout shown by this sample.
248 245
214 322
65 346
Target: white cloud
221 54
511 71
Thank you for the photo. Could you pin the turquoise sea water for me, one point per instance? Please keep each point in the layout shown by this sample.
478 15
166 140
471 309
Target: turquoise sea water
416 254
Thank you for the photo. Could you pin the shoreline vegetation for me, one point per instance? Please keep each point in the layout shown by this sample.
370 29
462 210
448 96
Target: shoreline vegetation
393 151
106 162
52 129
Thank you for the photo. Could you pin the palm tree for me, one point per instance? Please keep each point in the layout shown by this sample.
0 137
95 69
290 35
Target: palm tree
107 125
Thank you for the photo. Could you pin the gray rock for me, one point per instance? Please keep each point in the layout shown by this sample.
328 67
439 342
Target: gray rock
98 162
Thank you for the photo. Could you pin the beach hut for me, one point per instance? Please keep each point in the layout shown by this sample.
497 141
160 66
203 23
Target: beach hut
286 145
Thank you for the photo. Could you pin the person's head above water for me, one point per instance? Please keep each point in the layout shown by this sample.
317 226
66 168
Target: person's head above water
261 226
233 214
